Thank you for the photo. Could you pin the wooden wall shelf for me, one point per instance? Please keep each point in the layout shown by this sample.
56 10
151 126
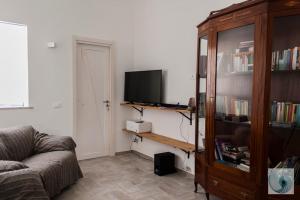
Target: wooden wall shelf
184 146
140 108
155 108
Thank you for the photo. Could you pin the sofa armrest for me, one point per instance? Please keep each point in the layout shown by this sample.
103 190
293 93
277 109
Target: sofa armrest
46 143
6 166
22 184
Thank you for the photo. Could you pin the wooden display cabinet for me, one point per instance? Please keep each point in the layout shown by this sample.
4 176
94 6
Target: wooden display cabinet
249 73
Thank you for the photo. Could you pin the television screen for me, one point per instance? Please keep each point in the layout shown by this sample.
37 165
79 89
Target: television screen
143 86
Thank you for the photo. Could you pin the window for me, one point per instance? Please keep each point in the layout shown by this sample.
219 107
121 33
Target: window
13 65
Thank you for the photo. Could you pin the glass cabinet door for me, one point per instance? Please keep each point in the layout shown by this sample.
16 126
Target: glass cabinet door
203 51
234 73
284 126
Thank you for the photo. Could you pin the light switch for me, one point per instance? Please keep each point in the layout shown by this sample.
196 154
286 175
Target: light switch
51 44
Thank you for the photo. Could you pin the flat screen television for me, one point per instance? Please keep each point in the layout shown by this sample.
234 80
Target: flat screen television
143 87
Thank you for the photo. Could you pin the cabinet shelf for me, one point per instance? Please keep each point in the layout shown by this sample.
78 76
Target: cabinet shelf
247 123
282 126
184 146
285 72
232 74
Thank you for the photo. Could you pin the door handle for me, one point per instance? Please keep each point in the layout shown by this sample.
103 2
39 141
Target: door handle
107 104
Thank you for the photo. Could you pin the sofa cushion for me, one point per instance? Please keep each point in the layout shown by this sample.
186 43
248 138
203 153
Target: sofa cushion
58 169
6 166
18 142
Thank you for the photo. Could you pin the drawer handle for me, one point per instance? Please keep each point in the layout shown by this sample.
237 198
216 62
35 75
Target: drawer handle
244 195
215 182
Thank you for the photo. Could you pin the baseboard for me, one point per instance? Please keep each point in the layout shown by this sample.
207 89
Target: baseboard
142 155
90 156
147 158
136 153
122 152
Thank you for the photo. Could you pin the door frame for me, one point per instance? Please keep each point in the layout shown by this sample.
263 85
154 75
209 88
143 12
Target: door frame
77 40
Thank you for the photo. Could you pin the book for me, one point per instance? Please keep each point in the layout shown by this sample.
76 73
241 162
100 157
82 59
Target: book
298 59
218 148
247 154
246 44
294 59
273 62
216 155
232 155
281 61
277 60
243 167
245 161
243 148
297 116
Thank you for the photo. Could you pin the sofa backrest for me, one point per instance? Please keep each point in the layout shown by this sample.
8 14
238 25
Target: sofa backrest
3 151
18 142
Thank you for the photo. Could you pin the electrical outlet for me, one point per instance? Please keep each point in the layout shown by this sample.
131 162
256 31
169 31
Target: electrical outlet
135 140
187 168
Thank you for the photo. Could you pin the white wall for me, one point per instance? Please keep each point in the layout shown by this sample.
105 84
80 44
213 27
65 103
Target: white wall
165 37
50 70
148 34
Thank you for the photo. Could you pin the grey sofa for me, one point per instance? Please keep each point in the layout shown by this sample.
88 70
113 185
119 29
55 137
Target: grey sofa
35 165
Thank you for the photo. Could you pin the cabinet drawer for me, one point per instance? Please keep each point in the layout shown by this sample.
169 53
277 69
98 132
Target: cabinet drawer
229 190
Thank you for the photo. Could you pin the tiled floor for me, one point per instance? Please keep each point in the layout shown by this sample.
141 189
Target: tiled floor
129 177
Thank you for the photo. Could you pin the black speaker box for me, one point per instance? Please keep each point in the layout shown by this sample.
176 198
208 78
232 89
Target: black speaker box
164 163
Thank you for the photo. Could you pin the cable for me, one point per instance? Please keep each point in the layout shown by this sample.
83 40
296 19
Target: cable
186 139
131 142
180 129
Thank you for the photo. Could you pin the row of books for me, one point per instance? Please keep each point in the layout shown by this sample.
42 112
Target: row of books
288 59
237 107
243 61
240 61
238 157
285 112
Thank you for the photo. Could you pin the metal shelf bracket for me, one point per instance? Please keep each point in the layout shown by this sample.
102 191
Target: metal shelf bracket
190 118
140 137
187 152
141 111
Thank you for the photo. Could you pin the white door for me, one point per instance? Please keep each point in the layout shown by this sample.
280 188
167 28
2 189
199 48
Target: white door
92 93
